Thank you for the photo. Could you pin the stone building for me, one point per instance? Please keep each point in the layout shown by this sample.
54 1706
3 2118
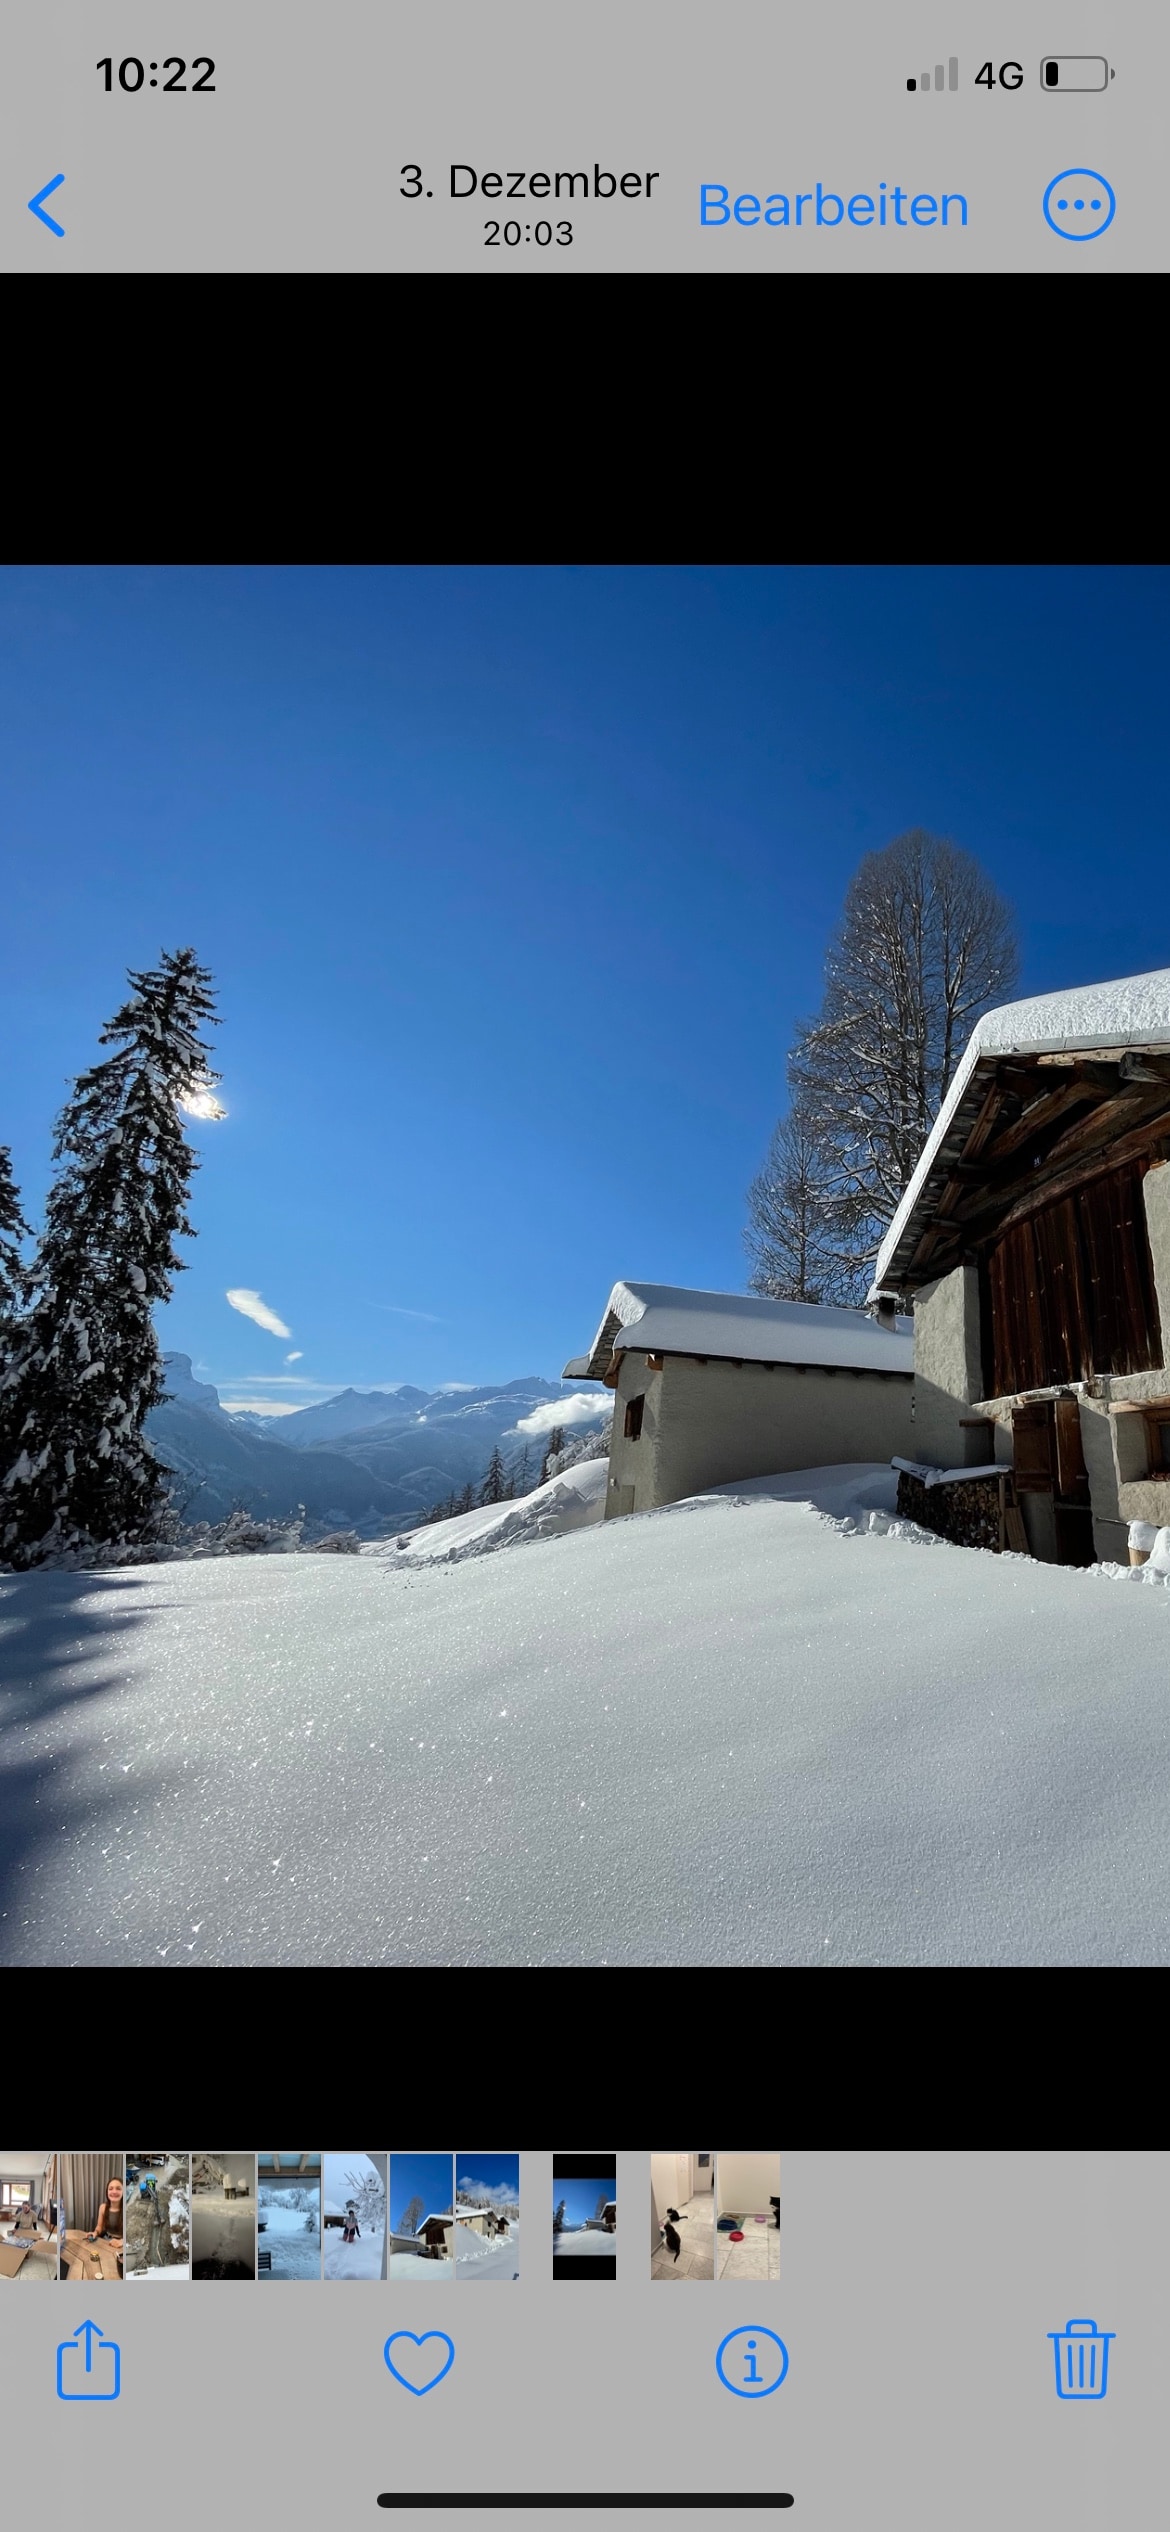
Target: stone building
714 1386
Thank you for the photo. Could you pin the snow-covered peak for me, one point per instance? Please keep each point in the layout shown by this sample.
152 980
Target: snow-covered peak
181 1383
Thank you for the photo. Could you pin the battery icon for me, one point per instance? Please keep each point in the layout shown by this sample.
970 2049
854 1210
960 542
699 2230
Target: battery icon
1075 73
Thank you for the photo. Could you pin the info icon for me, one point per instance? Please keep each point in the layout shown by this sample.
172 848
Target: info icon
751 2363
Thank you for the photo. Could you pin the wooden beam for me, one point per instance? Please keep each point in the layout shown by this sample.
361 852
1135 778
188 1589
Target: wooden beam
935 1229
1049 1188
984 1121
1086 1141
1062 1062
1043 1112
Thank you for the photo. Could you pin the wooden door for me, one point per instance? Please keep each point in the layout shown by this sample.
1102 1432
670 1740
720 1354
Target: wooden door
1072 1476
1034 1447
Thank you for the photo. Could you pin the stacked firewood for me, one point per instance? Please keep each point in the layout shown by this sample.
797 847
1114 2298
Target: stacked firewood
966 1510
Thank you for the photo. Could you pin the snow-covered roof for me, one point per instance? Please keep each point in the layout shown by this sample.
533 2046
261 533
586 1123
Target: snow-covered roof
1132 1011
434 2219
667 1319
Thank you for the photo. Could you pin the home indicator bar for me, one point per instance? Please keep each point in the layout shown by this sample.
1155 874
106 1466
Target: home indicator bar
406 2498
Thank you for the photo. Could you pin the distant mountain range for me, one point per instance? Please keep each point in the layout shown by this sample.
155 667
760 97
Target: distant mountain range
370 1460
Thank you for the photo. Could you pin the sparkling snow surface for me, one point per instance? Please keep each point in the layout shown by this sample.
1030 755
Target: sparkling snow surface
590 2244
735 1730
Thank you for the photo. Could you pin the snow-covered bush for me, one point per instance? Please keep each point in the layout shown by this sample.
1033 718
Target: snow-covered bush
583 1446
240 1535
336 1543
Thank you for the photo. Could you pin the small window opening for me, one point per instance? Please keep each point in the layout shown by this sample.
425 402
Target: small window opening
634 1418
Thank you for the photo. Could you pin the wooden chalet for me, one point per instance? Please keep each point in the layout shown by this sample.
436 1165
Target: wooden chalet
1034 1245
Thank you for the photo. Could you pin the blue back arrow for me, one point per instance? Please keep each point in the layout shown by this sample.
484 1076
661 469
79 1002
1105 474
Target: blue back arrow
38 214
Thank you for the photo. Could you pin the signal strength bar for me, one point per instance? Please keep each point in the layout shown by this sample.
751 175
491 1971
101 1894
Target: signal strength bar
941 79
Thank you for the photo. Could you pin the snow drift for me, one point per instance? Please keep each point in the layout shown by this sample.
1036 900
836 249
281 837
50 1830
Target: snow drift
768 1725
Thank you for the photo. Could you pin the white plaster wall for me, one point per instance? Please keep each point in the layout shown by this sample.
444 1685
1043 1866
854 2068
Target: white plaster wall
947 1368
744 2183
705 1424
634 1463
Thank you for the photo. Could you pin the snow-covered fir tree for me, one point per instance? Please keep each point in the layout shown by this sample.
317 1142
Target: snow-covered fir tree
75 1468
13 1272
494 1487
592 1444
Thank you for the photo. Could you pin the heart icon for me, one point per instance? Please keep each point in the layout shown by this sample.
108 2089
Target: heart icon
428 2366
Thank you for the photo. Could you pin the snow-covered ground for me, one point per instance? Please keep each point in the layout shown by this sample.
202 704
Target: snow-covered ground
571 1501
773 1724
477 2256
589 2243
404 2264
296 2252
487 2259
223 2229
362 2258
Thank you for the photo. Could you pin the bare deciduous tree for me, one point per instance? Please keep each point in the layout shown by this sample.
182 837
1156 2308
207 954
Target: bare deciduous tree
790 1235
926 944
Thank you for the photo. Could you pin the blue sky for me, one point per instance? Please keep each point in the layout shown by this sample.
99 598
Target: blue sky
581 2196
497 2172
514 883
425 2176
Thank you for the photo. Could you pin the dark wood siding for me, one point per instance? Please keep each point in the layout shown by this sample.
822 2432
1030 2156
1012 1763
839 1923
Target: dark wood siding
1070 1290
1033 1449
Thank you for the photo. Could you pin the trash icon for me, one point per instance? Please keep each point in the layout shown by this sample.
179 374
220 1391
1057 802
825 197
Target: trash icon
1082 2360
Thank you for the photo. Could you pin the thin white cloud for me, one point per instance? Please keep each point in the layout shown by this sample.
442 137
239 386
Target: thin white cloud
396 1311
578 1408
286 1380
450 1388
250 1306
294 1358
262 1406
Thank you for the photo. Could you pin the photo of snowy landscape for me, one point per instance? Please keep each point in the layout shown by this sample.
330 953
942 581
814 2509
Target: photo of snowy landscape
584 2215
158 2217
598 1394
288 2214
487 2218
422 2220
223 2216
354 2197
